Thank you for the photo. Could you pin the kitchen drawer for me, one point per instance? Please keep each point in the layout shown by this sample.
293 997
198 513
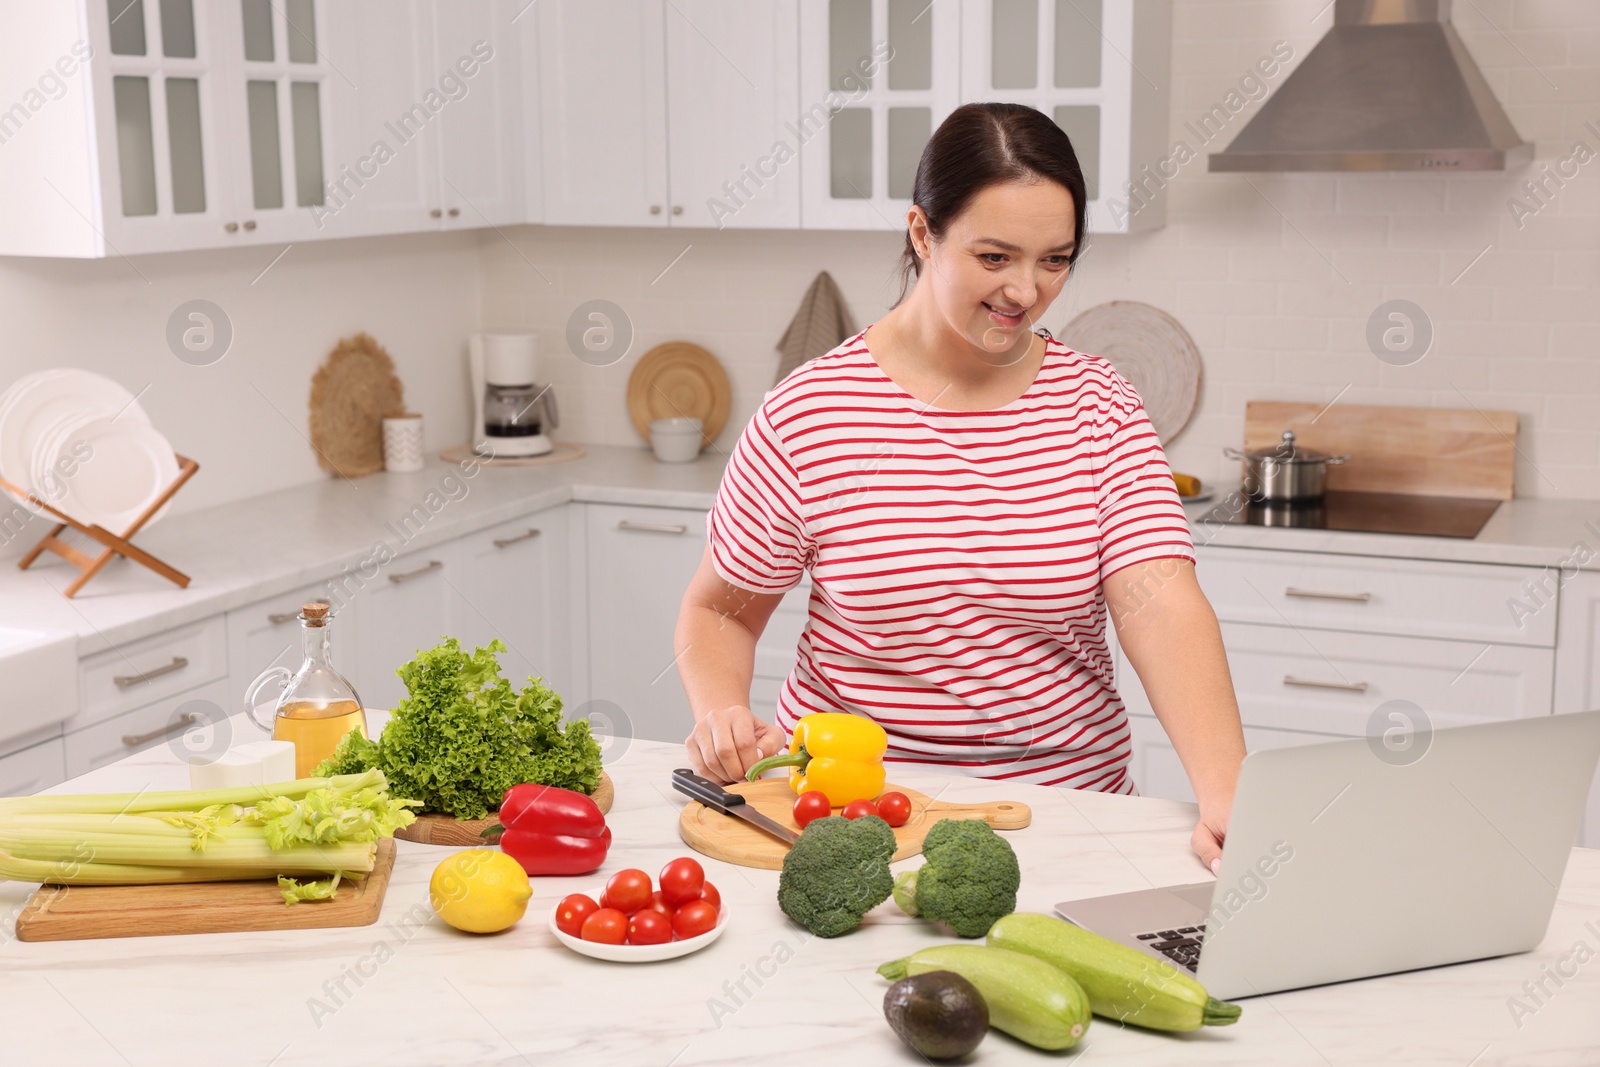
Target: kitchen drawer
1330 682
33 769
1158 772
141 672
1363 594
147 727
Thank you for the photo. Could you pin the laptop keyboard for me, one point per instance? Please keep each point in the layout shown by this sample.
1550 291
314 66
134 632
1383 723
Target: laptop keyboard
1181 946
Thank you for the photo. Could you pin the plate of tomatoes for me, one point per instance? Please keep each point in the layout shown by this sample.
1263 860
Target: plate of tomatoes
632 920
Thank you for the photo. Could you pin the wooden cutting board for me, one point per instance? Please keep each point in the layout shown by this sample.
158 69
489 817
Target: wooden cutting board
78 913
731 839
448 830
1425 451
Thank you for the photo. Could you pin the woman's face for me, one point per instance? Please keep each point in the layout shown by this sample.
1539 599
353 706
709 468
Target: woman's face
1000 264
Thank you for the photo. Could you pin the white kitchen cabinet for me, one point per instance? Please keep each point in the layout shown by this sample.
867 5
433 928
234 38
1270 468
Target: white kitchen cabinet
166 721
137 673
34 768
640 561
1099 68
621 80
1577 681
1157 771
481 134
513 585
876 79
404 607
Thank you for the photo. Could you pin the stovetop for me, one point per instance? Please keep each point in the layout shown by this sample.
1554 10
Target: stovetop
1390 513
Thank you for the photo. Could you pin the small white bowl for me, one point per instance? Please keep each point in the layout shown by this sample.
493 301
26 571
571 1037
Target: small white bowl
676 440
638 953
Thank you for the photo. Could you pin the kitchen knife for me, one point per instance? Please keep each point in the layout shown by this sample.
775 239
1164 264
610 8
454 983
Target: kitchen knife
715 797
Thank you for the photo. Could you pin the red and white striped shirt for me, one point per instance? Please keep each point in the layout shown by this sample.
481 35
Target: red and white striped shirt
956 558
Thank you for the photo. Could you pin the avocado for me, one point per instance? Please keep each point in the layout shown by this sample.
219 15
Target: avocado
939 1014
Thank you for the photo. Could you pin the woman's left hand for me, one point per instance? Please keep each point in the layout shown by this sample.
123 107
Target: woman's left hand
1207 838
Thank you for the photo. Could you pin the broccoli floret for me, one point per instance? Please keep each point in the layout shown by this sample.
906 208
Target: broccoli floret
969 881
837 872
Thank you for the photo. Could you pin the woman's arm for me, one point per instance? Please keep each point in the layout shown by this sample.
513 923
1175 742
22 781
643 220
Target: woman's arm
715 643
1170 634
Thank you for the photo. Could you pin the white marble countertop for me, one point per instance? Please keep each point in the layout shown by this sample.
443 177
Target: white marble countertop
410 990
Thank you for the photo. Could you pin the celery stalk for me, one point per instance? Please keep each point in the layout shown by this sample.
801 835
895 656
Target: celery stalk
187 799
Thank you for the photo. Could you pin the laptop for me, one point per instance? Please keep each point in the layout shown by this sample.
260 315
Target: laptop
1347 859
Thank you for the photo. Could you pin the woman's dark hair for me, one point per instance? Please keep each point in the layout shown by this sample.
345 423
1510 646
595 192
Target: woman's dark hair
980 145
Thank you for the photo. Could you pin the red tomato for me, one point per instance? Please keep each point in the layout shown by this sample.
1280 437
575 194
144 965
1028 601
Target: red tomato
857 808
628 891
607 926
894 808
571 913
659 905
681 881
809 806
693 919
646 927
710 895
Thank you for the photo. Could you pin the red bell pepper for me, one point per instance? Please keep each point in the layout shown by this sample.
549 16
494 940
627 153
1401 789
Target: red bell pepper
551 831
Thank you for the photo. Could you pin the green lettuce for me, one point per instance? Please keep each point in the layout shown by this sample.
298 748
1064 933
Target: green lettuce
463 736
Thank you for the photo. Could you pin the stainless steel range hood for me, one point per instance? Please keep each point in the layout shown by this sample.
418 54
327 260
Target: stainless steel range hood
1391 87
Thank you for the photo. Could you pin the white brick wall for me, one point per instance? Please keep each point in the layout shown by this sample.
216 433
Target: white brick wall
1275 281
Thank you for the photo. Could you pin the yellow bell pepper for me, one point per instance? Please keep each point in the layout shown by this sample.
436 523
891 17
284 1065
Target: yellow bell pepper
835 754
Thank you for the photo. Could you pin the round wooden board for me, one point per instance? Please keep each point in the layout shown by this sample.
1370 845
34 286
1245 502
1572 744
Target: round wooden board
560 453
679 380
445 830
731 839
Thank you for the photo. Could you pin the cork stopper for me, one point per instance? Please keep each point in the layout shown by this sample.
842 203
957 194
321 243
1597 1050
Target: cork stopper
315 613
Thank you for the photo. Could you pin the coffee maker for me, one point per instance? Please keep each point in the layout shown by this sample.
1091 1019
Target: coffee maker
512 412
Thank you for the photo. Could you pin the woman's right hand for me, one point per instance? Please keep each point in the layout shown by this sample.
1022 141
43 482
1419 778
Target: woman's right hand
727 742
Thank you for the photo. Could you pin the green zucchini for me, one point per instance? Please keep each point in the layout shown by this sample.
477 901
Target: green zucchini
1027 997
1122 983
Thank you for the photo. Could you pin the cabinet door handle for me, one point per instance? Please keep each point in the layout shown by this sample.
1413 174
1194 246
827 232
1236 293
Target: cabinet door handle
507 542
433 565
231 227
249 224
655 209
677 209
1311 683
435 213
126 681
453 212
1312 594
652 527
192 718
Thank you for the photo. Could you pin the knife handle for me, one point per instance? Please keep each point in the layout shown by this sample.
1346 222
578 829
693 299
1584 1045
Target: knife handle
704 790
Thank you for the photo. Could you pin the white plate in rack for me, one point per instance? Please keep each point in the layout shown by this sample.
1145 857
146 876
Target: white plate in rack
37 404
117 468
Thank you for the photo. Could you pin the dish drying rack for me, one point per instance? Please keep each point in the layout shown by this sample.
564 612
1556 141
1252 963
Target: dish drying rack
112 544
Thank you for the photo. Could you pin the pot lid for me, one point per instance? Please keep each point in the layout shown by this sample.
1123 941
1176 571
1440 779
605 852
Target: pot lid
1286 451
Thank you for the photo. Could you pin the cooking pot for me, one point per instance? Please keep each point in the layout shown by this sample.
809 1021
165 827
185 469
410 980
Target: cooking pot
1285 471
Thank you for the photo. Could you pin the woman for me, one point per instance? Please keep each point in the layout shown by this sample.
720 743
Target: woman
970 499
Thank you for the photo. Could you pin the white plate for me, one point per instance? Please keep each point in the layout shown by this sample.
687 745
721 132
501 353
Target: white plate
37 403
129 465
638 953
1199 498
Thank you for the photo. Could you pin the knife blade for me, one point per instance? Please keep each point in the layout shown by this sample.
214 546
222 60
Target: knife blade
715 797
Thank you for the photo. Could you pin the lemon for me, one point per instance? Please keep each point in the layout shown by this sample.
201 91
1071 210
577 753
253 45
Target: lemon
480 891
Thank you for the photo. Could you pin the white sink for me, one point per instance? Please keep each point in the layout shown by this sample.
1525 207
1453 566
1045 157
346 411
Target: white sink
38 679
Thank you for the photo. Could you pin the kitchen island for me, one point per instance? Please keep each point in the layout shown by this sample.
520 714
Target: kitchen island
410 990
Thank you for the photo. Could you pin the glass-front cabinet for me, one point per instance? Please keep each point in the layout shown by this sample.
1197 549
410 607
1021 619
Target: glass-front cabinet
888 71
217 111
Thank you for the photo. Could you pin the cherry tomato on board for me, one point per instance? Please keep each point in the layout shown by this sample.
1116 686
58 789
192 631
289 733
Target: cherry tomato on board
809 806
857 808
608 926
627 891
894 808
710 895
646 927
572 911
681 881
693 919
659 905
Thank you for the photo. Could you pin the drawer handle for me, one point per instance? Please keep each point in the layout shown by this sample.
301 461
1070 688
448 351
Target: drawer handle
278 618
507 542
1310 683
652 527
433 565
1312 594
192 718
126 681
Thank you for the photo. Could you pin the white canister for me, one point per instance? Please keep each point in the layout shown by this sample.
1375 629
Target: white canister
677 440
402 443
